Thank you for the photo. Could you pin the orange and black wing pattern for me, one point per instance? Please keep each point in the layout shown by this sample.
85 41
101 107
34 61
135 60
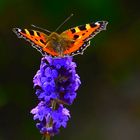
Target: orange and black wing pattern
36 38
81 36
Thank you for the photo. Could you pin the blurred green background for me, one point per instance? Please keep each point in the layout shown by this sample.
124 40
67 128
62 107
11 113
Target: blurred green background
107 106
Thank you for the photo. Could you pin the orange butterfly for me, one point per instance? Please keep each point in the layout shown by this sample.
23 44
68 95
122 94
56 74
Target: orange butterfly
69 43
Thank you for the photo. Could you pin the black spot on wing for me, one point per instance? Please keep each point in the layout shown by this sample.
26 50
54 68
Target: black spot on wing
42 41
23 31
93 25
38 33
36 39
76 36
31 32
82 27
73 30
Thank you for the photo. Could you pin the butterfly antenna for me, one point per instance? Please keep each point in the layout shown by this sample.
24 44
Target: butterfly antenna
63 22
40 28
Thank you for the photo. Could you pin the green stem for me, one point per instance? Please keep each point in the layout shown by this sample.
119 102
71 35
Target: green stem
47 137
53 105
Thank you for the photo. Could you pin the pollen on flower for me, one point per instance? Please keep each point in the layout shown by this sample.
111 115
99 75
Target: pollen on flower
55 83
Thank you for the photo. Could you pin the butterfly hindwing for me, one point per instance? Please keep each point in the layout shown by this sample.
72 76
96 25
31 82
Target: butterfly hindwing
81 36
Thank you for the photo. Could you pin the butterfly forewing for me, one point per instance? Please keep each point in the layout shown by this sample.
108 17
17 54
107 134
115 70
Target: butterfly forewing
36 38
81 36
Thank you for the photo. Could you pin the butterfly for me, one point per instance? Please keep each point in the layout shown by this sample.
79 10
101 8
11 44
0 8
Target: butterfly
69 43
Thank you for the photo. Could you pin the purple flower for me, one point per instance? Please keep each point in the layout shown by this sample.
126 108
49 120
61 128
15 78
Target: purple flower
57 79
52 118
55 83
41 111
60 117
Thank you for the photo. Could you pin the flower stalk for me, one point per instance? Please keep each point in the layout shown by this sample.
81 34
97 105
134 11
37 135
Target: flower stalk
47 137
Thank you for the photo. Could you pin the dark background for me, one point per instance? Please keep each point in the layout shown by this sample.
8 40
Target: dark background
108 103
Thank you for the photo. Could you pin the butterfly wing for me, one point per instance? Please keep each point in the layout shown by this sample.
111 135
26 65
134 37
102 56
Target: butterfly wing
37 39
81 36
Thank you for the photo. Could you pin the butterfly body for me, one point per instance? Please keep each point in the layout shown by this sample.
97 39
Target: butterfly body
58 43
69 43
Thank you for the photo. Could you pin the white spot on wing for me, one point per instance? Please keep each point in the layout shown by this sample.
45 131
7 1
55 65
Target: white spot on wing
19 30
97 23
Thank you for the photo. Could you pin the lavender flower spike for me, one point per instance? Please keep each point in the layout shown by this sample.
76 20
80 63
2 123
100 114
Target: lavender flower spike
55 83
